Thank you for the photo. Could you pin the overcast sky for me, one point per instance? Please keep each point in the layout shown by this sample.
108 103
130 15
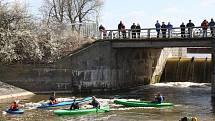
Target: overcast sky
146 12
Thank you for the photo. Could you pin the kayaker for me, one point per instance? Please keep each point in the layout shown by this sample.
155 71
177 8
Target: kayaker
14 106
94 102
74 105
52 100
158 98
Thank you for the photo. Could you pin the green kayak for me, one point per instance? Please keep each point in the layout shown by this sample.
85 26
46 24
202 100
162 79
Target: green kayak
141 103
81 111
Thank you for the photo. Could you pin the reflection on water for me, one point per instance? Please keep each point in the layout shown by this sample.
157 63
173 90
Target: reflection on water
190 99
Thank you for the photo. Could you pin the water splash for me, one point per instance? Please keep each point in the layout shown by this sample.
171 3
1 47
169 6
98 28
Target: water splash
183 84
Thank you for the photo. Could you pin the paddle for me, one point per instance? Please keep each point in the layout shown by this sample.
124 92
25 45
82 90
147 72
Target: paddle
84 100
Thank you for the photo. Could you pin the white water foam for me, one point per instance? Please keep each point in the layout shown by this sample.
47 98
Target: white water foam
183 84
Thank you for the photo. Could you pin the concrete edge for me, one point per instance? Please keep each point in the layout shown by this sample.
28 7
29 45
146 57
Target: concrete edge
21 94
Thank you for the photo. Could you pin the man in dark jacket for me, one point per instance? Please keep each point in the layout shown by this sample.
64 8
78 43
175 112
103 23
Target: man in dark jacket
133 30
120 25
138 30
163 29
212 27
169 28
158 27
74 105
190 26
95 103
182 26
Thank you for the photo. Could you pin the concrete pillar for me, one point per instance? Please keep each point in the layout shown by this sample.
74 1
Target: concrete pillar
213 70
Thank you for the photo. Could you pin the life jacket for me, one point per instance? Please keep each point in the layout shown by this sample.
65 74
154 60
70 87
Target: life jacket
13 106
53 102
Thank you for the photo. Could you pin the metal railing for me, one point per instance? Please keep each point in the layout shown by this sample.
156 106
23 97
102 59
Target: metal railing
176 32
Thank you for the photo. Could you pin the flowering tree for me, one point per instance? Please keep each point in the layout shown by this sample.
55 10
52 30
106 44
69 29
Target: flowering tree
23 39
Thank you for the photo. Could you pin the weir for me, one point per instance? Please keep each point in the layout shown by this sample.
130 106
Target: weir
110 63
196 70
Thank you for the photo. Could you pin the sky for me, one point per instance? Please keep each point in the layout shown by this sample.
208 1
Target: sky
146 12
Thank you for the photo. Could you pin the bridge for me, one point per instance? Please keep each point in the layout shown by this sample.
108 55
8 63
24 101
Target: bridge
149 38
112 62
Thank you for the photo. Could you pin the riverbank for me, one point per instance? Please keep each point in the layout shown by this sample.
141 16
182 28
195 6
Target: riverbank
11 92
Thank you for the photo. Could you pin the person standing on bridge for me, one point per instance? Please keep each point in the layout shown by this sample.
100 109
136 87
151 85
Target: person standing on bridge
158 27
102 31
123 30
133 31
182 26
138 30
169 28
204 26
120 25
163 29
190 26
212 27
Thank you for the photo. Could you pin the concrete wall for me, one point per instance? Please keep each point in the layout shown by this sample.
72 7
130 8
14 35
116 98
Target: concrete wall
101 67
36 78
95 68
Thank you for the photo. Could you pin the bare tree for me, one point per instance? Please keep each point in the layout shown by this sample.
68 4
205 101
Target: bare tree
72 11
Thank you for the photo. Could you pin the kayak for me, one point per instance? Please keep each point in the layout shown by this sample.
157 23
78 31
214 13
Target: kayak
46 105
19 111
141 103
81 111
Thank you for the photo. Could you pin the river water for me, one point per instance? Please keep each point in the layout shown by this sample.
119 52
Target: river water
190 99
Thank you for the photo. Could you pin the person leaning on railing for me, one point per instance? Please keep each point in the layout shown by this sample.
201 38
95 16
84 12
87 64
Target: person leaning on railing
133 30
120 26
102 31
163 29
182 26
212 27
169 28
123 30
158 27
204 26
190 26
138 30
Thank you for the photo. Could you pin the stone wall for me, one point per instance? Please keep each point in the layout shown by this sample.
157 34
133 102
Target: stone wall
101 67
98 67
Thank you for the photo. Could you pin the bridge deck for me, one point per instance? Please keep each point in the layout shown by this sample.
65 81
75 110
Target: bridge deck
161 43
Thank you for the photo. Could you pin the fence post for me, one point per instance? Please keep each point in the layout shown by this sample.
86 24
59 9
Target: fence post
130 34
111 34
148 31
101 34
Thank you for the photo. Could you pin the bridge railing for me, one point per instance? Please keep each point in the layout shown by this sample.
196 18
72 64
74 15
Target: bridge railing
194 32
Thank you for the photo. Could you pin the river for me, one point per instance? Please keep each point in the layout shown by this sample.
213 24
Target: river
190 99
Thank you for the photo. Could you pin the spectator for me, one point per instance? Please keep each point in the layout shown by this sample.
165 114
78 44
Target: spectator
169 28
123 30
102 31
212 27
138 30
190 26
158 26
133 31
163 29
182 26
120 25
204 26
